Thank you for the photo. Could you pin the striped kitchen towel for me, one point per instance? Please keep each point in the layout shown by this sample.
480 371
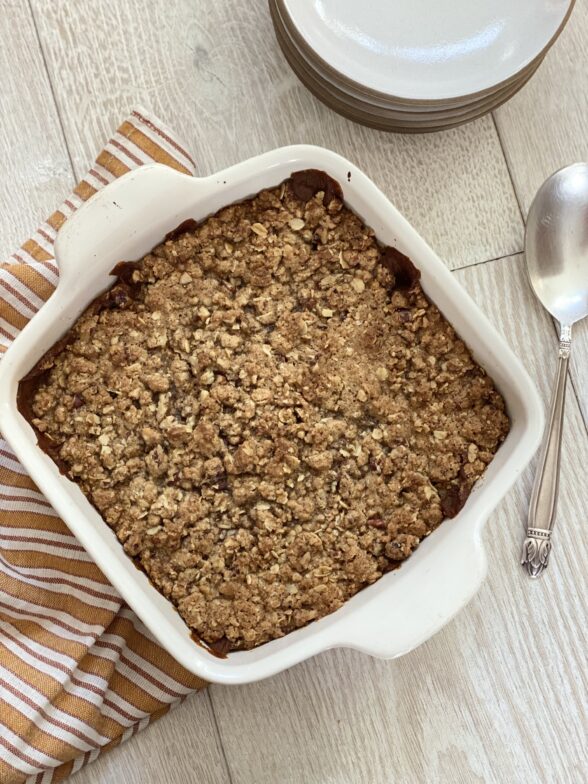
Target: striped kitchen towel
79 673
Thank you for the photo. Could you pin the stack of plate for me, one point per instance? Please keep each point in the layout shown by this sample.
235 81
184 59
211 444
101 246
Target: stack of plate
416 65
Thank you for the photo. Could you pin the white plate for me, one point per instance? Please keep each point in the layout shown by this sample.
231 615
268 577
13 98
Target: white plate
387 108
405 607
337 84
428 50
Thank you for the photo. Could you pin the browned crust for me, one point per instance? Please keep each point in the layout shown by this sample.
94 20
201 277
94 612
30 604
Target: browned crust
309 182
404 271
306 184
30 383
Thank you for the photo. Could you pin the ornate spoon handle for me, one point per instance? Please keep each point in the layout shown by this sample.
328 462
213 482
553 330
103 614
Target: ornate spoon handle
537 545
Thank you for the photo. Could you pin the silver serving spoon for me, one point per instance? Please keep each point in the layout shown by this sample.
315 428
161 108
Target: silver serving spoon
556 247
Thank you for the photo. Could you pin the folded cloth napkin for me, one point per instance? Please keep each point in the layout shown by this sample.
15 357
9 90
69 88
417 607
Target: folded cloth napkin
79 673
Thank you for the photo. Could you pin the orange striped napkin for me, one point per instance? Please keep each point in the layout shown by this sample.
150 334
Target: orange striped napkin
79 673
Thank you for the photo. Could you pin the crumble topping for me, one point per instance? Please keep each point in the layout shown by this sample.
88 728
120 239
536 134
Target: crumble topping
268 412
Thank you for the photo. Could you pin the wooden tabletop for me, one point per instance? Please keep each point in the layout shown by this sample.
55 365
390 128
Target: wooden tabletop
501 694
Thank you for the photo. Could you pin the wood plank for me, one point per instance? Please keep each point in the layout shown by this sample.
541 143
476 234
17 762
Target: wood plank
544 127
500 695
37 175
181 747
214 72
36 171
579 366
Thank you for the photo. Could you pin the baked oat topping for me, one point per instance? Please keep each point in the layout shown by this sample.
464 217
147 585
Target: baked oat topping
268 412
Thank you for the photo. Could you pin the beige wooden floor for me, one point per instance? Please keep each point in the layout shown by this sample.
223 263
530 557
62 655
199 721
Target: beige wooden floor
501 694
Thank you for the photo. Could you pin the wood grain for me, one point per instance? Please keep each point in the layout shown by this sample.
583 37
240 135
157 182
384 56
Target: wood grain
181 748
36 173
579 366
544 127
500 695
213 71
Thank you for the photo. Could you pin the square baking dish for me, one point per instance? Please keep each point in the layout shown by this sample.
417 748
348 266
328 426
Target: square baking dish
404 608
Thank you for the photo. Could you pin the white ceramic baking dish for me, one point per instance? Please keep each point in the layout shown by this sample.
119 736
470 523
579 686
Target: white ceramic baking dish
403 609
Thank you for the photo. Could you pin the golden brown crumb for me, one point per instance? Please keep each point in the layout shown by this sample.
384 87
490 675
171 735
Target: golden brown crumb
268 416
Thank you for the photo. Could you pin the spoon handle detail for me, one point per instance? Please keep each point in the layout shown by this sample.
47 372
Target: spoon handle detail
537 545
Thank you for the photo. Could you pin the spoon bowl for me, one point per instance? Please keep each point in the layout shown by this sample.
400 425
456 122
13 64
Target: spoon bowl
556 244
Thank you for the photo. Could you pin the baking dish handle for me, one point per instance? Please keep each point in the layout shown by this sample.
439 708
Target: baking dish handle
105 222
432 594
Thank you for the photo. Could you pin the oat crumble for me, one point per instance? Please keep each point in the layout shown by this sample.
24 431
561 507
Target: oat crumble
268 412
